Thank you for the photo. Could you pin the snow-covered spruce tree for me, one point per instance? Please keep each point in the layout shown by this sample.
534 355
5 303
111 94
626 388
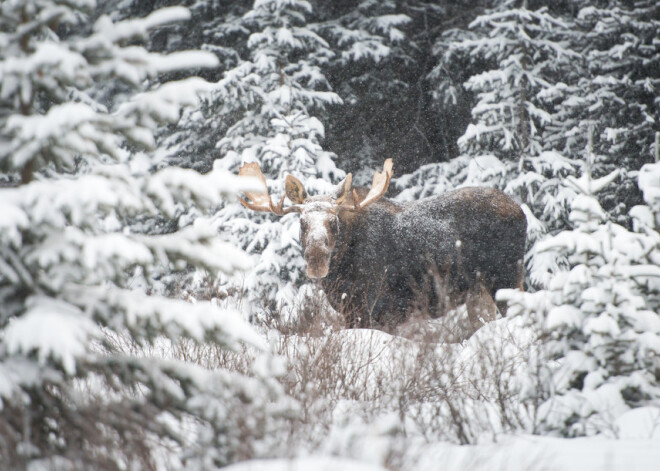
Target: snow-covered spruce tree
72 174
518 58
464 170
374 58
599 316
524 102
269 101
526 53
216 27
368 52
615 96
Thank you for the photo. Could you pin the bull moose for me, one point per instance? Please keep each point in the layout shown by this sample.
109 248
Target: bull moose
375 257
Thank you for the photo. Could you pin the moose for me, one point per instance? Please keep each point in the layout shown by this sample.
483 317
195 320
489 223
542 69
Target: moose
375 258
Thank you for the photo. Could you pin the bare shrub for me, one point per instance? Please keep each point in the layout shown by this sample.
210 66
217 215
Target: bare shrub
439 389
243 417
427 380
460 393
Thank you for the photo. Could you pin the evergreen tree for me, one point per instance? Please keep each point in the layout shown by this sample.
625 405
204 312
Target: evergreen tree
372 71
75 170
217 27
598 314
540 97
526 53
267 106
615 95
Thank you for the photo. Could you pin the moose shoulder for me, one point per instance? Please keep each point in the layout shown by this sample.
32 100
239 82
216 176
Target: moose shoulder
379 260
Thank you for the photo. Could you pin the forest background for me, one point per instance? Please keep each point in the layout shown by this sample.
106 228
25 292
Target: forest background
149 321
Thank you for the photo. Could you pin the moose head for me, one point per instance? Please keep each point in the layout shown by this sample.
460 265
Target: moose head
319 215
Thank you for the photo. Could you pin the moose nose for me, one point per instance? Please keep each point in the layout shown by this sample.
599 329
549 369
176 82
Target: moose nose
318 262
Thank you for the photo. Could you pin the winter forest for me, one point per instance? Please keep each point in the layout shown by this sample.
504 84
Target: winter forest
149 321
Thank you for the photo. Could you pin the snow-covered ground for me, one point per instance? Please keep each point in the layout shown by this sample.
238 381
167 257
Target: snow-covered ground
367 432
321 463
525 453
513 453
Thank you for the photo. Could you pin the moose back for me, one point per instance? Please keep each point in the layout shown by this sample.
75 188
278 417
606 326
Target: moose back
378 260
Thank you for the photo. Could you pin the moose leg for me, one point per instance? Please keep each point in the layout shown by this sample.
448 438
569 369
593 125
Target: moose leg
502 306
480 305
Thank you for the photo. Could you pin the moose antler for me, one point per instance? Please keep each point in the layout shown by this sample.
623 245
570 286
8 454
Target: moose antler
378 187
262 201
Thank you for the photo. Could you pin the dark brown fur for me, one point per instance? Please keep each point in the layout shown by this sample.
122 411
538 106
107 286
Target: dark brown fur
388 253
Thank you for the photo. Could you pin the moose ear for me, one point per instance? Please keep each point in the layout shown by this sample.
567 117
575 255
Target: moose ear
342 189
295 190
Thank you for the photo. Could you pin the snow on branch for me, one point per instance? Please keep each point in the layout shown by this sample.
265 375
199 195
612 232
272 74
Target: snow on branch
53 329
59 202
172 185
164 103
198 245
649 183
174 318
128 30
65 130
587 185
12 220
19 371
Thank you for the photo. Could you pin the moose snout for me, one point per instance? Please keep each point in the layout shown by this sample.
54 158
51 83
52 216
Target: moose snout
318 262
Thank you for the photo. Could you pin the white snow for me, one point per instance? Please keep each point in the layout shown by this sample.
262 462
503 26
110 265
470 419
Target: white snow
51 328
47 55
183 60
36 130
524 453
482 168
129 29
170 185
603 325
178 317
642 217
586 209
561 316
315 463
588 186
375 51
12 220
641 424
630 441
